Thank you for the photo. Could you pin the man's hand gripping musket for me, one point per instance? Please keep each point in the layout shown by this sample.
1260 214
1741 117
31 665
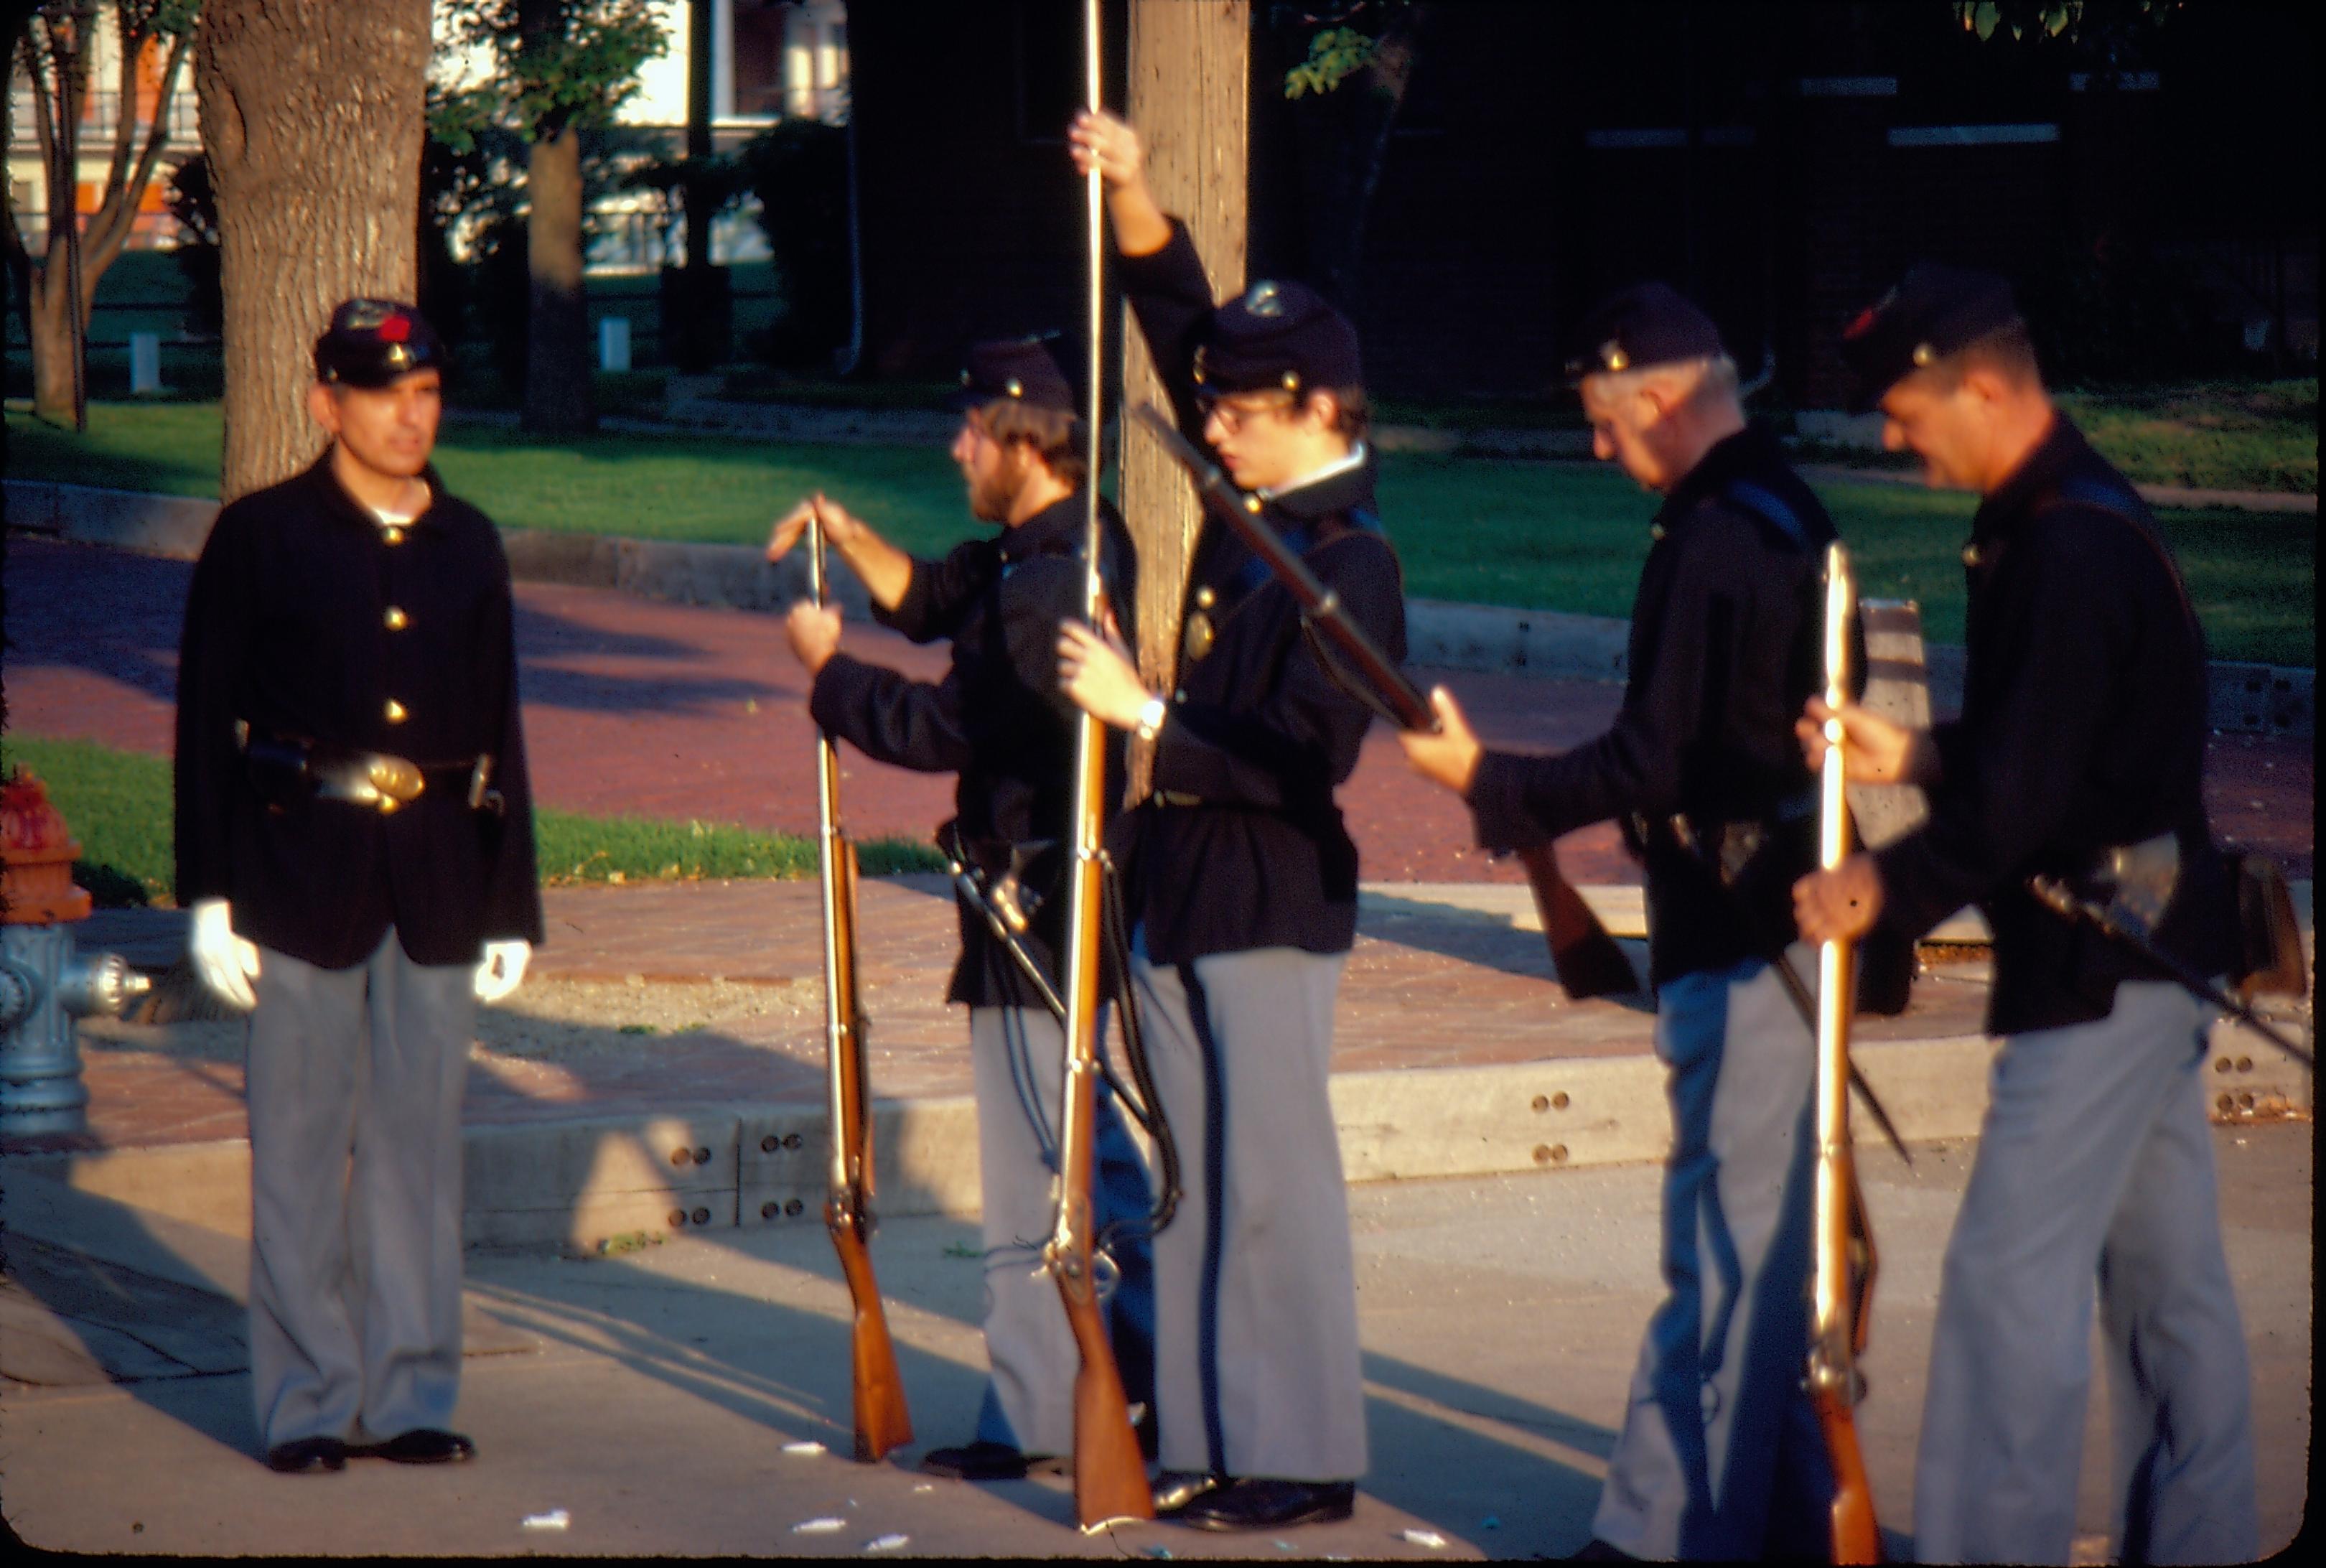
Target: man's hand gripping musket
1842 1268
882 1422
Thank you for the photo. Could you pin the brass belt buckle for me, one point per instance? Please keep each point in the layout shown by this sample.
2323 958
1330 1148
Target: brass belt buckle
1176 797
384 783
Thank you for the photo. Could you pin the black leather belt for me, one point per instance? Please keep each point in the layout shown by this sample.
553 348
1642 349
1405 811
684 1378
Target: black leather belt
375 781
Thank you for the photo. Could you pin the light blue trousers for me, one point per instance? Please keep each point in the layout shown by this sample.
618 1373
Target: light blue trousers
1720 1456
354 1081
2095 1164
1257 1365
1019 1058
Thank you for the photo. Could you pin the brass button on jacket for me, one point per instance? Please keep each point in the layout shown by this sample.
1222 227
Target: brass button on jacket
397 619
396 712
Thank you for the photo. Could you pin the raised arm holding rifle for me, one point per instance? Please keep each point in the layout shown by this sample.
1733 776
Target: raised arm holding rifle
997 719
2080 745
1242 882
1719 1454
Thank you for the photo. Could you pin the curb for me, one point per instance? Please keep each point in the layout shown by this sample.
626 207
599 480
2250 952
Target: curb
2246 698
586 1182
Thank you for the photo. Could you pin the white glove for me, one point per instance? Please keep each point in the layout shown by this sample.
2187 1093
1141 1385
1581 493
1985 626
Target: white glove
503 969
227 963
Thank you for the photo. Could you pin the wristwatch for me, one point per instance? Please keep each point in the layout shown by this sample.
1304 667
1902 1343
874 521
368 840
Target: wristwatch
1152 715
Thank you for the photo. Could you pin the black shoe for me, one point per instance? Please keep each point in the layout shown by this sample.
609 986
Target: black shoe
1257 1503
302 1454
423 1446
1175 1489
1595 1550
989 1461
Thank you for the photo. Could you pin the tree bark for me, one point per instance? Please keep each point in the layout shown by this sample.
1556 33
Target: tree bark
1190 99
313 116
557 335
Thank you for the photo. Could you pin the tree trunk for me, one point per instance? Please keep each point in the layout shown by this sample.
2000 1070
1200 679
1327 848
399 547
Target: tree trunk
1190 75
312 118
557 333
47 308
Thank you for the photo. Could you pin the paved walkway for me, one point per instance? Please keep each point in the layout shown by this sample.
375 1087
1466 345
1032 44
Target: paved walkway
662 710
672 711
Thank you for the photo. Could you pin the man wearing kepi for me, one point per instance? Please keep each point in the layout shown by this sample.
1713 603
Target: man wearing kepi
1720 1454
998 721
1243 881
2082 732
355 842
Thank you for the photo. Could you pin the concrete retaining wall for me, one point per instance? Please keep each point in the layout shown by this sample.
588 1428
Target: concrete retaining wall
2246 698
576 1184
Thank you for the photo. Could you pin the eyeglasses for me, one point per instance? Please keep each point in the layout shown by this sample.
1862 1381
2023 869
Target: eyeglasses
1232 416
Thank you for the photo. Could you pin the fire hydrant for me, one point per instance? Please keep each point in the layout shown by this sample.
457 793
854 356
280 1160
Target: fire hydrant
43 987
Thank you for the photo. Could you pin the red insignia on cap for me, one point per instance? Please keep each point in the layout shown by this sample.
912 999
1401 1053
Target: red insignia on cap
396 328
1861 326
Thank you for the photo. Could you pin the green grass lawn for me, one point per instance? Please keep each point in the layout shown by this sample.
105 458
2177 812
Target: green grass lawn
118 805
1534 535
2219 435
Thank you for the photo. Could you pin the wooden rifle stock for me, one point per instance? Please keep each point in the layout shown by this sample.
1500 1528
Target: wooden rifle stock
1588 961
1841 1285
1110 1474
882 1422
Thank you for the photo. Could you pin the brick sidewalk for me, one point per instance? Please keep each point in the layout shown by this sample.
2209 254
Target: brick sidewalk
653 709
1418 966
656 709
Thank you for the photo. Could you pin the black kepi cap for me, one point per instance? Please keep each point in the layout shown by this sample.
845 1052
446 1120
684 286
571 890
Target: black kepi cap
1281 334
1935 311
371 342
1014 370
1649 323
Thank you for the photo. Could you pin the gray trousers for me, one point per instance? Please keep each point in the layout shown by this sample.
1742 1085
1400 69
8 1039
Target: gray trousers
355 1078
2095 1163
1019 1055
1720 1456
1256 1361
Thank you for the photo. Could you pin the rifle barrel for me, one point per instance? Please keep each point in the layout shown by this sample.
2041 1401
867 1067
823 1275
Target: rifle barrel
1587 961
882 1420
1109 1476
1841 1283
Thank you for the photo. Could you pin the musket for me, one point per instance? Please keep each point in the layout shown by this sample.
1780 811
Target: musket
1588 961
1841 1282
1110 1474
2119 927
882 1422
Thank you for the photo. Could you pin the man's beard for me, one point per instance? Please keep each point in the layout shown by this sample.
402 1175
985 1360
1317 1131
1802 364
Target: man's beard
991 500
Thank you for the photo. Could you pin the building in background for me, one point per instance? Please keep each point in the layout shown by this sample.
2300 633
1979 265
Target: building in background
771 60
1782 164
101 113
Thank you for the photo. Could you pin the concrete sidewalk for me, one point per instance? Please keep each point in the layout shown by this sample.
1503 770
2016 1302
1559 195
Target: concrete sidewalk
662 1070
654 1396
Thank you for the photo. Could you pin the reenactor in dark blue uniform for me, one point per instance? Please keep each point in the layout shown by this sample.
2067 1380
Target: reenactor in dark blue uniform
355 843
1243 881
998 721
1720 1454
2082 734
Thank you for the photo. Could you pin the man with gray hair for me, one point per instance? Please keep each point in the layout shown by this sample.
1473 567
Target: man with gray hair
1720 1454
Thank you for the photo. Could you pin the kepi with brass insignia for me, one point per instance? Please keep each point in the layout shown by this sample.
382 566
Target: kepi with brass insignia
1934 310
371 342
